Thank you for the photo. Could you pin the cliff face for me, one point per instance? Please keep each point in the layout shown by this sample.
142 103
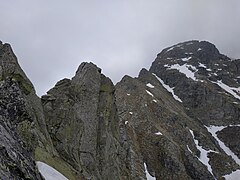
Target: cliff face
81 117
177 120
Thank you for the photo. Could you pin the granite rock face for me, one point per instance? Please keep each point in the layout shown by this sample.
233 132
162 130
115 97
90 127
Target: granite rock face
81 117
177 120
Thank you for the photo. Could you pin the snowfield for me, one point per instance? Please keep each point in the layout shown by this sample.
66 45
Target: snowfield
49 173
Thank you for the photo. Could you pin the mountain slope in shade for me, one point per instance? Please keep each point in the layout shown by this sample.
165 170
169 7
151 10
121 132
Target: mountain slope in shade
177 120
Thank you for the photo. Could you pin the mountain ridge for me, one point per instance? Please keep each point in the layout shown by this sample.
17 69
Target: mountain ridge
173 121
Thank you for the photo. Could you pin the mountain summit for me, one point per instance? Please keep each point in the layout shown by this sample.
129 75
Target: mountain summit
178 120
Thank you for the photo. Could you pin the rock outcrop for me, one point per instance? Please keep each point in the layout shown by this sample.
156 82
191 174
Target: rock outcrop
81 117
178 120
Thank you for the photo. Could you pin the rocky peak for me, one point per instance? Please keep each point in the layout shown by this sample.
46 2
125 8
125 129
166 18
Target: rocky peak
177 120
199 49
9 67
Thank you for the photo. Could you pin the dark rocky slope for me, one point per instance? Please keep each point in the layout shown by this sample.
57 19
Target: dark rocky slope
204 94
170 122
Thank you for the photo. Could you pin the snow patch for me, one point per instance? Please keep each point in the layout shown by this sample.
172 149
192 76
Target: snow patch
202 65
155 100
168 88
213 130
158 133
199 49
170 49
204 153
128 94
148 176
233 176
149 85
186 59
126 122
130 112
185 70
231 90
48 172
150 93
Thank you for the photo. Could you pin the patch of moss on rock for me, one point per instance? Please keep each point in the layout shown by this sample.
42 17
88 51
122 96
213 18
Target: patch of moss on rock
24 85
25 130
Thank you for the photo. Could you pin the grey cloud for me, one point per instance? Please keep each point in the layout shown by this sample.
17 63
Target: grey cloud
51 38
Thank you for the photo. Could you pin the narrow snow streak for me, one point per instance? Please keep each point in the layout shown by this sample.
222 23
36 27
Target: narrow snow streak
213 130
149 93
189 149
202 65
203 156
171 48
148 176
231 90
149 85
168 88
48 172
186 59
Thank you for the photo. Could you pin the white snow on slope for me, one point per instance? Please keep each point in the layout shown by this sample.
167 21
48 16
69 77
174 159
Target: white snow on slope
186 59
231 90
171 48
158 133
199 49
233 176
202 65
49 173
203 156
185 70
149 93
213 130
149 85
148 176
168 88
189 149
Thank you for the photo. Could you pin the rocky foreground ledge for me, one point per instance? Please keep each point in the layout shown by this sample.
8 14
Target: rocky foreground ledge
178 120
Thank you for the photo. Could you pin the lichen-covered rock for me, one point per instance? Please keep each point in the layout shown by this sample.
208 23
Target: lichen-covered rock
23 119
82 120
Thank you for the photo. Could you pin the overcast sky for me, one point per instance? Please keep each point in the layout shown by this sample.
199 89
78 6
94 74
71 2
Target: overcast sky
52 37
